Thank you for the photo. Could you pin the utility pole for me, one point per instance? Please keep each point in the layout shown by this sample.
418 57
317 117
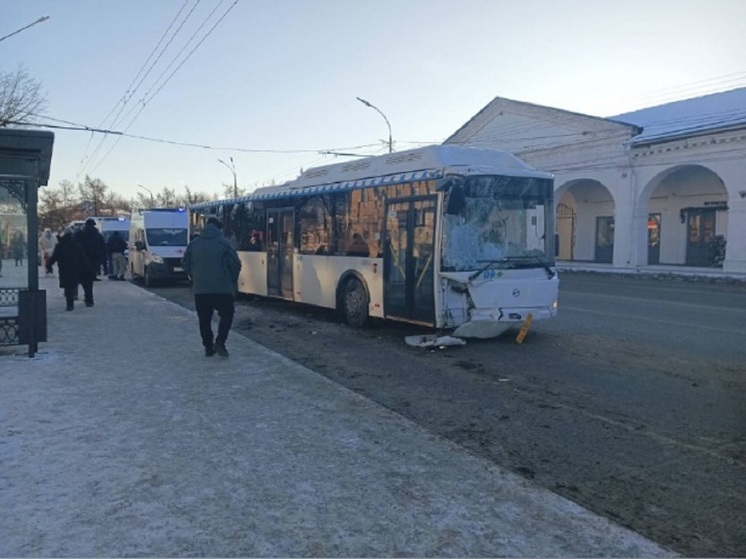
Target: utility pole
152 198
367 104
232 168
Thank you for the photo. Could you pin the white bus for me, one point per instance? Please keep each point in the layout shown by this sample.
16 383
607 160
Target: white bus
158 239
445 236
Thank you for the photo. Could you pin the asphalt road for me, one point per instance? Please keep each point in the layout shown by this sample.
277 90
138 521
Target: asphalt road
705 319
631 403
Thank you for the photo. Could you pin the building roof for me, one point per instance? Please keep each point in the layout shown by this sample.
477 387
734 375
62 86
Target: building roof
690 117
519 127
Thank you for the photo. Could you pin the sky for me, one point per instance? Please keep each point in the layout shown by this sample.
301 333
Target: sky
273 84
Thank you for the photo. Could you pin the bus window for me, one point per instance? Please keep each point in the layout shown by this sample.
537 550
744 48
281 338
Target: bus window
315 223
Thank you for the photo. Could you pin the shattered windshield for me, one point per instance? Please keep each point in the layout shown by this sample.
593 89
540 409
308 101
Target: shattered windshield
505 221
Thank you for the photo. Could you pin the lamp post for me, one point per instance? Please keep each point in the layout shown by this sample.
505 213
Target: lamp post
232 167
152 198
367 104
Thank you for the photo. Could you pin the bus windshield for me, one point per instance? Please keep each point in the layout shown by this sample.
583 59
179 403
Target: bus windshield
161 236
498 220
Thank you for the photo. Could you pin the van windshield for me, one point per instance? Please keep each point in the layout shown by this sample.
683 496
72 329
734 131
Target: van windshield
159 236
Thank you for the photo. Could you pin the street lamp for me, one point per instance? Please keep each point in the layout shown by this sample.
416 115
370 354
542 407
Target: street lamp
152 198
367 104
232 167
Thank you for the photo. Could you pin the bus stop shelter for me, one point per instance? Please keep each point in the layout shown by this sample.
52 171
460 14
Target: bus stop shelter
25 159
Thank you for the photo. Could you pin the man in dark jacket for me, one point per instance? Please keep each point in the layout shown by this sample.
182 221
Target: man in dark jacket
94 247
71 264
213 265
116 246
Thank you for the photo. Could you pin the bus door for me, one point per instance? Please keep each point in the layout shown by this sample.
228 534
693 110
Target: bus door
280 252
409 291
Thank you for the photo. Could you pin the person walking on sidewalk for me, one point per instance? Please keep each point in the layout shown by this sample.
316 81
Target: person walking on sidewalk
94 247
71 265
116 246
213 266
47 242
17 247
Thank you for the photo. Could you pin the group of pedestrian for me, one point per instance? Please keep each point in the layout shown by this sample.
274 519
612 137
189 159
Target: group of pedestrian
78 256
210 261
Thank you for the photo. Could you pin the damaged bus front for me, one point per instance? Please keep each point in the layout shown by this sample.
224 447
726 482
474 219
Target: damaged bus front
497 241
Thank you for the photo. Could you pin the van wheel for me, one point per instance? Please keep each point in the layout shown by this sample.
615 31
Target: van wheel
148 278
355 303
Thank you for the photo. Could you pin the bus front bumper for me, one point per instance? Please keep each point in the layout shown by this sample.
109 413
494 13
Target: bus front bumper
490 323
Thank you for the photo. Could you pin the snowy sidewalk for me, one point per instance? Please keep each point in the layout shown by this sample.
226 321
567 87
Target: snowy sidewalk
121 439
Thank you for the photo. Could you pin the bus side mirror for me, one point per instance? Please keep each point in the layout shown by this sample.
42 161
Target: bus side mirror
456 200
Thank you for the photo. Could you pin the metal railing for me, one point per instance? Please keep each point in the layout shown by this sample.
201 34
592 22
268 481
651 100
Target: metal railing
9 326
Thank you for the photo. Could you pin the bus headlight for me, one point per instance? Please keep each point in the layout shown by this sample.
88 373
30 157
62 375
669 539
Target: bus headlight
554 305
156 258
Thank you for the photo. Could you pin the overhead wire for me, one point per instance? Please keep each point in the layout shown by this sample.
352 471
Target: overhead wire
145 99
130 91
116 120
145 102
76 127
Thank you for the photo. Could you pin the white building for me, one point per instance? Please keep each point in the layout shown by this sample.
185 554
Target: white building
650 187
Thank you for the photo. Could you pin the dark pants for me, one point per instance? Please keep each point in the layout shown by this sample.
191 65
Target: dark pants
47 268
205 304
71 293
87 284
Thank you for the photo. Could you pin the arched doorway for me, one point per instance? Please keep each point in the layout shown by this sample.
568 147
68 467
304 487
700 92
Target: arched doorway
585 222
687 216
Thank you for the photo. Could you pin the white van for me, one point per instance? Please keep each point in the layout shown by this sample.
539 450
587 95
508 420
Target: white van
157 241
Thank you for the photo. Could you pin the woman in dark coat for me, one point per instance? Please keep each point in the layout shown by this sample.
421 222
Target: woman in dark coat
71 264
94 248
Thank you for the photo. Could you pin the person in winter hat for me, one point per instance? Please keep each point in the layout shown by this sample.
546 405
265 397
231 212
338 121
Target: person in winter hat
71 265
213 265
47 242
116 246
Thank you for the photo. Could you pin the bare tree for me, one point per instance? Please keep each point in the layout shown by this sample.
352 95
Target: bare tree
193 197
117 204
93 193
21 98
232 191
143 202
52 212
58 206
167 198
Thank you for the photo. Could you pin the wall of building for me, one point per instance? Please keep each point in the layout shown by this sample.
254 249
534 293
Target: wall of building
599 172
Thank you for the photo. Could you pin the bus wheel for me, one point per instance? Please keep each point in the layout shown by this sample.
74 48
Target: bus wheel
355 303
